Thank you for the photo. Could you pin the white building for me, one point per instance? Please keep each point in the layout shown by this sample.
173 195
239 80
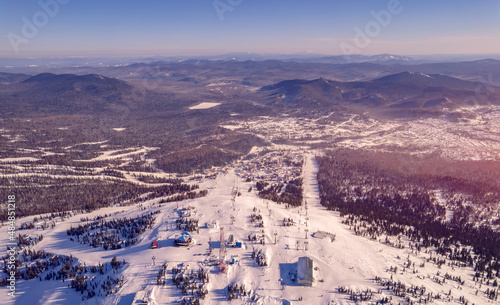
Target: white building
305 271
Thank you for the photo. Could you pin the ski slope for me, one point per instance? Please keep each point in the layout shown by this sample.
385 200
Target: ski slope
349 261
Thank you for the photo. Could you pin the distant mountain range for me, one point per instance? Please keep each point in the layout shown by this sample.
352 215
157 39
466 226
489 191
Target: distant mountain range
263 70
254 84
354 58
151 104
401 90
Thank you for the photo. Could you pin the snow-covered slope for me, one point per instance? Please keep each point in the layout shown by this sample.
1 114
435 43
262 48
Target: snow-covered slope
349 261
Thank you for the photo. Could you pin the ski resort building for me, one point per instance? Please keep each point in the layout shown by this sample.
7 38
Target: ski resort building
185 240
305 271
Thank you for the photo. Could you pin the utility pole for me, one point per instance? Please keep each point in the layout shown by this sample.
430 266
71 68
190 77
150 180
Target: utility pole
307 230
275 234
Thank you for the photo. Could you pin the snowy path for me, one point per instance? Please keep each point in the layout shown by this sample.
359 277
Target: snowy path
350 260
310 172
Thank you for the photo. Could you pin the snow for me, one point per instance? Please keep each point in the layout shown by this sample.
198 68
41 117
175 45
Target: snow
46 292
350 260
473 137
20 159
222 83
420 74
439 197
230 127
204 105
86 143
114 154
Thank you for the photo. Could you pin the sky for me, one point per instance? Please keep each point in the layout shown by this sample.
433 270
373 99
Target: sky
60 28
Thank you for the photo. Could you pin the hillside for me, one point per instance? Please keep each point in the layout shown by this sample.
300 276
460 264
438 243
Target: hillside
68 94
407 90
347 268
12 78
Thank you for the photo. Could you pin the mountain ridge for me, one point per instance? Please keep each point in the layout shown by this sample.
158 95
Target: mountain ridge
395 90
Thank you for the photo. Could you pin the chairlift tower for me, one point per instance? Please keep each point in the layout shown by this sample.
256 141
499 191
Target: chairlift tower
222 253
234 193
210 249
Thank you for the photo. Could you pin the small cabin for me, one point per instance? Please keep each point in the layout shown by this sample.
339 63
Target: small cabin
154 245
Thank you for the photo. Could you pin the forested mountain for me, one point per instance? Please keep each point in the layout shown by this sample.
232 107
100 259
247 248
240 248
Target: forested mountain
403 90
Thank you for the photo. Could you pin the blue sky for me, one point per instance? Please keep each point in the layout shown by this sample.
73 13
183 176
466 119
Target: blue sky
196 27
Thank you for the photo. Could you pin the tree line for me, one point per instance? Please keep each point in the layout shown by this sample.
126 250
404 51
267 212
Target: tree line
384 193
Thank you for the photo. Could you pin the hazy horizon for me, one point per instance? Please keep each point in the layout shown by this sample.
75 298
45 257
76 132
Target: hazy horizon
193 55
64 28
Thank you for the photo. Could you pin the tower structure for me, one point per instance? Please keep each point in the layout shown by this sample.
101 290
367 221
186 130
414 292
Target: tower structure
222 253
